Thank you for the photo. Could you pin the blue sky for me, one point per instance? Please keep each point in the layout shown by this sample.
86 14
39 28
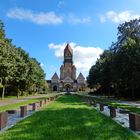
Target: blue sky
43 27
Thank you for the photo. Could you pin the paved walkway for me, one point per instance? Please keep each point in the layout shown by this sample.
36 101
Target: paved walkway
15 100
131 103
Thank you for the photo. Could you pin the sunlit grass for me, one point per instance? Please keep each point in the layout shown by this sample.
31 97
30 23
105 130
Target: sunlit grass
68 118
29 101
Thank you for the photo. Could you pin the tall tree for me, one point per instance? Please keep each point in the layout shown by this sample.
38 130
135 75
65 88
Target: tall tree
17 69
119 67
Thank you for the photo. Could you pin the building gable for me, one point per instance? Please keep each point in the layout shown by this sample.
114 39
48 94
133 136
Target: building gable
81 78
68 80
55 78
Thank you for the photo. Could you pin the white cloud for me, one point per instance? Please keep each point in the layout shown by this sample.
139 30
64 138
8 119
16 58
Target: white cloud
118 17
84 57
38 18
73 19
46 17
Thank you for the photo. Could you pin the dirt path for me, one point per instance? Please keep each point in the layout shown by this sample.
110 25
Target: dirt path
15 100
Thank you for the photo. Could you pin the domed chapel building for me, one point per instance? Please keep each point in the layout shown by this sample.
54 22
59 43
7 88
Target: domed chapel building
67 80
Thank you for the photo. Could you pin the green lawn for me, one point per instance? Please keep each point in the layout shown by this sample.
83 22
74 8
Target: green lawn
17 105
68 118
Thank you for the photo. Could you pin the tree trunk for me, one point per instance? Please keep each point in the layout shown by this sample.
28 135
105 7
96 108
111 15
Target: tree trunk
18 92
101 91
109 91
34 89
3 92
132 91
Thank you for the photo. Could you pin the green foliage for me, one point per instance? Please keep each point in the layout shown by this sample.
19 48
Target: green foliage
117 71
17 69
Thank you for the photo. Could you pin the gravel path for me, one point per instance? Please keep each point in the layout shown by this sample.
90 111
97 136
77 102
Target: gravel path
122 119
15 118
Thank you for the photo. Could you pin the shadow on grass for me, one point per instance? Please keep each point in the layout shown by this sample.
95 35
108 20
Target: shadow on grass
67 121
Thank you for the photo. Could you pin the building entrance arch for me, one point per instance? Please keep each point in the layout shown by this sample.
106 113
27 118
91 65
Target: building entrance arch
55 88
68 87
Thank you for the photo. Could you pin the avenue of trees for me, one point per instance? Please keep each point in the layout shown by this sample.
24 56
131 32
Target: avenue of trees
117 71
19 73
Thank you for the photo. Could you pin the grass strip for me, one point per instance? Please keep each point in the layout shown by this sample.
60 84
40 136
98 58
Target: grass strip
17 105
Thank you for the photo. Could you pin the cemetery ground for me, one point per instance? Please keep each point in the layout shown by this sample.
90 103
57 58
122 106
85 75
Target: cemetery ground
13 103
133 106
68 117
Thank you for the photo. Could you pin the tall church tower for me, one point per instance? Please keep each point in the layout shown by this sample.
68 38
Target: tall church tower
67 81
68 55
68 69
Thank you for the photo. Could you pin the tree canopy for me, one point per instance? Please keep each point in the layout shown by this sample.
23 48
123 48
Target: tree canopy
18 72
117 71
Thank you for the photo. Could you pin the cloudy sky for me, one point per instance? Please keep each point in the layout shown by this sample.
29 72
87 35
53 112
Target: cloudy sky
44 27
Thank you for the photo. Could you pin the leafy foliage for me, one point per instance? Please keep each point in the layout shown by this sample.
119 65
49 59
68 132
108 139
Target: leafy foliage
17 69
117 71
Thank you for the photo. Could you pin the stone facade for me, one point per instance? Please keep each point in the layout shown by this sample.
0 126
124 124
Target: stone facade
67 80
